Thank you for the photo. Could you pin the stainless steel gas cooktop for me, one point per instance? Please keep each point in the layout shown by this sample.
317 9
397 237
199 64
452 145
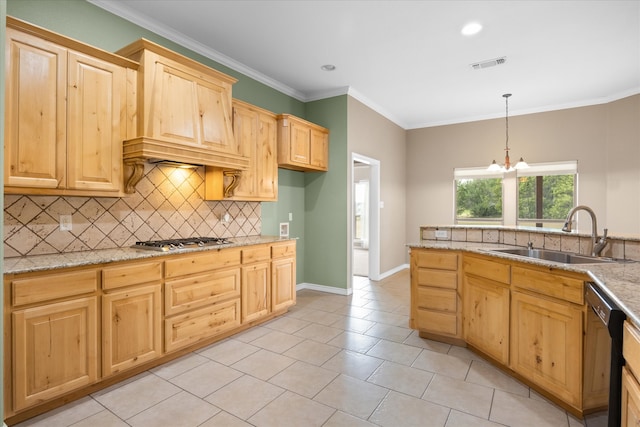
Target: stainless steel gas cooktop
175 244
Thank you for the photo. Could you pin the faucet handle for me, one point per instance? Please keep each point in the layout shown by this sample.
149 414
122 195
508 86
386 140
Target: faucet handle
604 236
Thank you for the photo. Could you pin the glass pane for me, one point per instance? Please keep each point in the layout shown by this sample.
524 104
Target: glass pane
546 197
478 199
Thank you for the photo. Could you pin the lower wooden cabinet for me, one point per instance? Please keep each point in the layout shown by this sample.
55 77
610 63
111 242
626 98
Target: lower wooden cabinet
193 326
55 350
630 374
630 399
283 275
69 329
530 320
485 307
283 283
256 291
436 304
547 345
131 327
201 297
486 317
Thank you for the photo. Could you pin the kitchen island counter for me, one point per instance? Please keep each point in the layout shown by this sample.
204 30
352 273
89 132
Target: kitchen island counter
619 280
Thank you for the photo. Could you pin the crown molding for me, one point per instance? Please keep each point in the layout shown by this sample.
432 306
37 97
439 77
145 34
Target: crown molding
147 23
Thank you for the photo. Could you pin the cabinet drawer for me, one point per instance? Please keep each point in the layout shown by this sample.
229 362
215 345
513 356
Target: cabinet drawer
255 254
552 284
437 278
201 262
486 268
437 299
191 327
51 286
437 322
631 347
283 250
131 274
437 259
198 291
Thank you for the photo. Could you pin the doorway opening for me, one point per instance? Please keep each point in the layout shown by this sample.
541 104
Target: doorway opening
365 218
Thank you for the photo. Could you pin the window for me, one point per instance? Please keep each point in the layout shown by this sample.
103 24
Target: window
478 196
546 193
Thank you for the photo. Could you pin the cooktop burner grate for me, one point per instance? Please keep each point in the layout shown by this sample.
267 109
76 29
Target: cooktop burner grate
174 244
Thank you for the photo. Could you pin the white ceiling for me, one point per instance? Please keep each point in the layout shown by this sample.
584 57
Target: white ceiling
407 59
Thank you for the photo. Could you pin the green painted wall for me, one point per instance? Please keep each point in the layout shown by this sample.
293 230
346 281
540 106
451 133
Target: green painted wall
325 202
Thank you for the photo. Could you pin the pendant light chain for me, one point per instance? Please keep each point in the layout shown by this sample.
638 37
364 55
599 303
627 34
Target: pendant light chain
521 164
506 100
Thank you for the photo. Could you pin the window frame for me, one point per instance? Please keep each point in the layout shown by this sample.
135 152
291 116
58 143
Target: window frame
509 179
546 169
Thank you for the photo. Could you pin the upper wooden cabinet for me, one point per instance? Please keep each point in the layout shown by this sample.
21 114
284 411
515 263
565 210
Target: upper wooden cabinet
184 112
302 145
66 113
255 131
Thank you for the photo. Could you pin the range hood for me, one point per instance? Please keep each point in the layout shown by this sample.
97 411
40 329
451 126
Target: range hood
182 113
137 151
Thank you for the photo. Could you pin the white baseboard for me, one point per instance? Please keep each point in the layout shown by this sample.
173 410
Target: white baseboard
393 271
343 291
324 288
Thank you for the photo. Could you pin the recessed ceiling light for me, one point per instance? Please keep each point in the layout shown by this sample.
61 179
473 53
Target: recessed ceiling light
472 28
328 67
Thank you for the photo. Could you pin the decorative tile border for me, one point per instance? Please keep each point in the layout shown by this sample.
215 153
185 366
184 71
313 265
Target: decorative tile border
168 203
617 248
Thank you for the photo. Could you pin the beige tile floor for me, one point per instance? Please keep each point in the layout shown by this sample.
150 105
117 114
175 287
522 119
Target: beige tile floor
331 361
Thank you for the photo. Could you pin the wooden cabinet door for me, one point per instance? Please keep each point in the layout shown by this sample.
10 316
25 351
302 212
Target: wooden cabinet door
266 169
131 327
245 127
214 111
283 281
172 110
97 102
319 150
184 107
35 112
256 293
546 345
55 350
300 140
630 400
485 316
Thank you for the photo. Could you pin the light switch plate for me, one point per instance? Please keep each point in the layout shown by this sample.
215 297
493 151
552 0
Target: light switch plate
65 223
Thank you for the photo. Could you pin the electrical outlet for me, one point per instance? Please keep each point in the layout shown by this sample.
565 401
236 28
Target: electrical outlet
441 234
290 216
65 223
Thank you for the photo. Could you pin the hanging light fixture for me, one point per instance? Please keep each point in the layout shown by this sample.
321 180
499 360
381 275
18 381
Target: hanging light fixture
495 167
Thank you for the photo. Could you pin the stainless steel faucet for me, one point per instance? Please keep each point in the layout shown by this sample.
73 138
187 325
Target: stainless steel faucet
598 243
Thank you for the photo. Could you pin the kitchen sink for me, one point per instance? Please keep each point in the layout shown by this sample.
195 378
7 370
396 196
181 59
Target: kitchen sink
555 256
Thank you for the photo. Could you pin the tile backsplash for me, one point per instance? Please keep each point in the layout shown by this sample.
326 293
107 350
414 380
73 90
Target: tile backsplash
540 239
168 203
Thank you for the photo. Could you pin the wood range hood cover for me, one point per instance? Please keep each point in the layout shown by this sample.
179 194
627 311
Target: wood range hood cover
183 114
137 151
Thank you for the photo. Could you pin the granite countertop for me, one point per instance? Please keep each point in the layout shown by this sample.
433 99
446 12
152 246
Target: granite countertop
619 280
34 263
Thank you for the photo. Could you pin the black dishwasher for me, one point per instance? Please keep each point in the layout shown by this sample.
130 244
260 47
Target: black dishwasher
613 318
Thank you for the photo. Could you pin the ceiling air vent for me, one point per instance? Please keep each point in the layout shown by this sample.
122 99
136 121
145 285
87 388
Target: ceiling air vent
489 63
